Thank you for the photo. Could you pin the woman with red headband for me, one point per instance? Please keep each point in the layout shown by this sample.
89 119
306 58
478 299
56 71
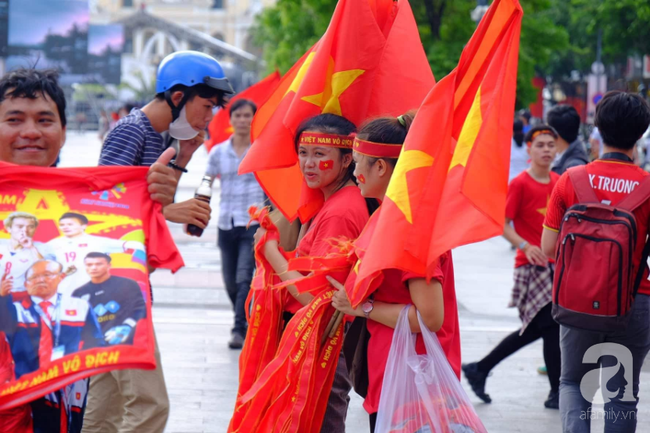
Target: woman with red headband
376 150
528 195
324 146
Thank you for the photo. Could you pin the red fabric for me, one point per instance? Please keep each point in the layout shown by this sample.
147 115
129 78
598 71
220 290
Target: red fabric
16 420
612 180
343 215
370 62
220 128
450 183
526 207
393 289
264 314
45 342
127 210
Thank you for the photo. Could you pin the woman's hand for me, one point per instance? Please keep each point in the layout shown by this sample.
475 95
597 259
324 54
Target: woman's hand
259 234
341 302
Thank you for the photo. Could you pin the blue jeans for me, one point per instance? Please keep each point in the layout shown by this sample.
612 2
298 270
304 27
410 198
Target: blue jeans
238 265
610 361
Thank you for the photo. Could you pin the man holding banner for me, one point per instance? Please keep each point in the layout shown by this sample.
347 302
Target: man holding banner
32 133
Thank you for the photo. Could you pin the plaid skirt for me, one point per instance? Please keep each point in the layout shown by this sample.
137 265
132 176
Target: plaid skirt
532 291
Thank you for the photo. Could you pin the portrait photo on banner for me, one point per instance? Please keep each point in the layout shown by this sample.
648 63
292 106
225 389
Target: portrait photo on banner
74 295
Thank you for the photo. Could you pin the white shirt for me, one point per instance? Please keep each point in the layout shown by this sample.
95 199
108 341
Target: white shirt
72 252
238 192
15 263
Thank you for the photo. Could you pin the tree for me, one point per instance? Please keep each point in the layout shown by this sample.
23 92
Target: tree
288 29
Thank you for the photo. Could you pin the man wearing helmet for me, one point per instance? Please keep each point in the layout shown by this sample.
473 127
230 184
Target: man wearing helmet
189 85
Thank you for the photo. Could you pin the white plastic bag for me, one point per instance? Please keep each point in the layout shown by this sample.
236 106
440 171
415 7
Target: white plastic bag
421 393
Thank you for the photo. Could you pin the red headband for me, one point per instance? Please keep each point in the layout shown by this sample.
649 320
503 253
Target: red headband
540 132
377 150
327 140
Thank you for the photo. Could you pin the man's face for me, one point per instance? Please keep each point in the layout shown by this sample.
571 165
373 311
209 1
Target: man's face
30 131
97 267
542 150
21 229
71 227
241 120
199 112
43 279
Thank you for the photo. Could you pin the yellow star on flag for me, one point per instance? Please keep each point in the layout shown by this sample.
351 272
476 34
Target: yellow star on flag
398 188
297 81
339 83
543 210
468 134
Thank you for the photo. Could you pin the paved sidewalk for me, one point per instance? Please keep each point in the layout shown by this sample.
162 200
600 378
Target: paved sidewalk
193 318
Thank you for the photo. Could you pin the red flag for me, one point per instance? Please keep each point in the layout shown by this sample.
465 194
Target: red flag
370 62
220 128
458 152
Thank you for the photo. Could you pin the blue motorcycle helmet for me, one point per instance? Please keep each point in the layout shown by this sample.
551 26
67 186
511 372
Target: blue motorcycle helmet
190 69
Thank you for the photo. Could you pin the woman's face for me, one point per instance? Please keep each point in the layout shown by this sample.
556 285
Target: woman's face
322 166
371 176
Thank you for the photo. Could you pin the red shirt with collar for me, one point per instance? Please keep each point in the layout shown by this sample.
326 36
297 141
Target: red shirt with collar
612 180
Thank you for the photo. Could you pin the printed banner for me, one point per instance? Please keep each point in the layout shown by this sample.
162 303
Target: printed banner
74 295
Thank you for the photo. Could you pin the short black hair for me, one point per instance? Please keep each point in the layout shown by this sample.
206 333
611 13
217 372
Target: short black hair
566 121
548 129
73 215
201 90
31 83
96 255
622 118
242 103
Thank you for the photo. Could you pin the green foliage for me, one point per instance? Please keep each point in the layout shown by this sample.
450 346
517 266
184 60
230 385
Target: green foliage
557 36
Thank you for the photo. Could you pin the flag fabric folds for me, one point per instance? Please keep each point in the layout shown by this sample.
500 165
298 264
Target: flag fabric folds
369 62
220 128
449 186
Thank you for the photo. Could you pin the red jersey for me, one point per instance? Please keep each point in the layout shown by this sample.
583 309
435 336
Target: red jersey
612 180
526 206
394 290
343 215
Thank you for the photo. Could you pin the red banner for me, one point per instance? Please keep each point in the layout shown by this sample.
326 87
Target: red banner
75 297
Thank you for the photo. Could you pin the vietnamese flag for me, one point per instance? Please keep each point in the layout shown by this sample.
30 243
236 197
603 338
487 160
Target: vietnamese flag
449 186
220 128
370 62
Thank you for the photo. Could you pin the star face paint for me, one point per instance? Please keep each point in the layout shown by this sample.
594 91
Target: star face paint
326 165
361 178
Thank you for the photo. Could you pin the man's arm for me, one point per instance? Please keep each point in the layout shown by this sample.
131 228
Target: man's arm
549 241
123 146
533 253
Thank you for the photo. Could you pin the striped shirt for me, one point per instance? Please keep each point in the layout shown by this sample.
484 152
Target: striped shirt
133 141
238 192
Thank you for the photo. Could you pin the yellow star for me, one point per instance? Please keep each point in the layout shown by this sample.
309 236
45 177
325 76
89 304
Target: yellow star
297 81
340 81
543 210
468 134
398 188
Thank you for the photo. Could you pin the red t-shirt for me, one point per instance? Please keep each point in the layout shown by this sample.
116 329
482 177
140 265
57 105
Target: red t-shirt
612 181
526 207
394 290
343 215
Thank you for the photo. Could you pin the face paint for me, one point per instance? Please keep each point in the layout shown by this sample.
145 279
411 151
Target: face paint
326 165
361 178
